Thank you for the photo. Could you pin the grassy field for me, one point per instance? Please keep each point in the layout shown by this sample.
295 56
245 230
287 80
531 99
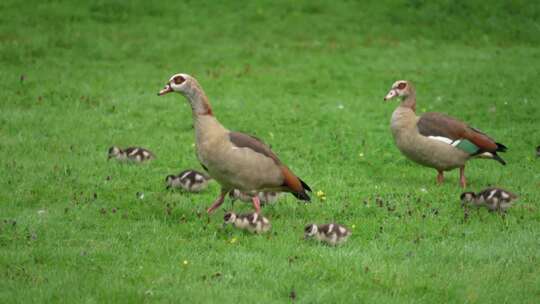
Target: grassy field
306 76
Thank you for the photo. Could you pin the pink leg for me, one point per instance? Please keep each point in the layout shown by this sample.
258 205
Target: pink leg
440 177
256 203
217 202
462 179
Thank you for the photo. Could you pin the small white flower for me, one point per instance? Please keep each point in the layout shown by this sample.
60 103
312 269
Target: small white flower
423 190
340 106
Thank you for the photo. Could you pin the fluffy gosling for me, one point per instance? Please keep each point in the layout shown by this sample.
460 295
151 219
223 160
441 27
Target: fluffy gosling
252 222
332 234
264 197
134 154
188 180
494 199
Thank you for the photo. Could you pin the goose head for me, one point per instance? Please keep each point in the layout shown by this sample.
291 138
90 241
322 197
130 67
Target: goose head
310 230
467 197
181 83
229 217
114 151
400 88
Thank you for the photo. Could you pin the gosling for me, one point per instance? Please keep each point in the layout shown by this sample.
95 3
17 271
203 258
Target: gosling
188 180
494 199
133 154
264 197
252 222
332 234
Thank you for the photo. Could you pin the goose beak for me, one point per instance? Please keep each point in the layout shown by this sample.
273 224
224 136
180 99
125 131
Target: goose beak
390 95
165 90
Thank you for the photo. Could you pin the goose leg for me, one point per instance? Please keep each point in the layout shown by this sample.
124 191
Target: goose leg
440 177
462 179
256 203
217 202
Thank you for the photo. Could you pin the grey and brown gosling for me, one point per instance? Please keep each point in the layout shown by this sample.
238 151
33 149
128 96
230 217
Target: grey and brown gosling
188 180
134 154
332 234
264 197
252 222
494 199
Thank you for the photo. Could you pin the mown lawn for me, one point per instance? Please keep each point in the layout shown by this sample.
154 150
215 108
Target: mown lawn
306 76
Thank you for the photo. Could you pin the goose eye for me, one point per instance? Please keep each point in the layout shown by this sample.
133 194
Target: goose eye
178 80
402 85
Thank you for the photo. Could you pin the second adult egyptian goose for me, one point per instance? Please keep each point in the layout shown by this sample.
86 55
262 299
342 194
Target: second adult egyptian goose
235 160
436 140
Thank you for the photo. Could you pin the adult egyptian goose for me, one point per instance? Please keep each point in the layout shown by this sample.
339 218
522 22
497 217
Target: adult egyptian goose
253 222
332 234
235 160
436 140
188 180
495 199
134 154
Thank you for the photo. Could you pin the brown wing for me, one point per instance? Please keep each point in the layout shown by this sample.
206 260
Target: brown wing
242 140
297 186
436 124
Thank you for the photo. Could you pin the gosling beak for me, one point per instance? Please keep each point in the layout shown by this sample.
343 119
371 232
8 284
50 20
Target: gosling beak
390 95
165 90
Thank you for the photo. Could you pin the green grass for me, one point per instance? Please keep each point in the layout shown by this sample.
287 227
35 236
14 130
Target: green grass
281 71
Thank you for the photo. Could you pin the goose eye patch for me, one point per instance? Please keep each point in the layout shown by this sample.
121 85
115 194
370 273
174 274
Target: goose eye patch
402 85
178 79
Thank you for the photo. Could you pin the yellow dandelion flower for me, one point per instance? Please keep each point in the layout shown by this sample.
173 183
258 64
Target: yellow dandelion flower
353 226
233 240
186 262
321 195
361 154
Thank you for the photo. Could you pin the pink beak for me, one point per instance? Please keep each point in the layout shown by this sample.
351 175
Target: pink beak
390 95
165 90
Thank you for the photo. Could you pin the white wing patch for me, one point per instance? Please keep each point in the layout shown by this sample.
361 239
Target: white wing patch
185 174
485 155
445 140
491 194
